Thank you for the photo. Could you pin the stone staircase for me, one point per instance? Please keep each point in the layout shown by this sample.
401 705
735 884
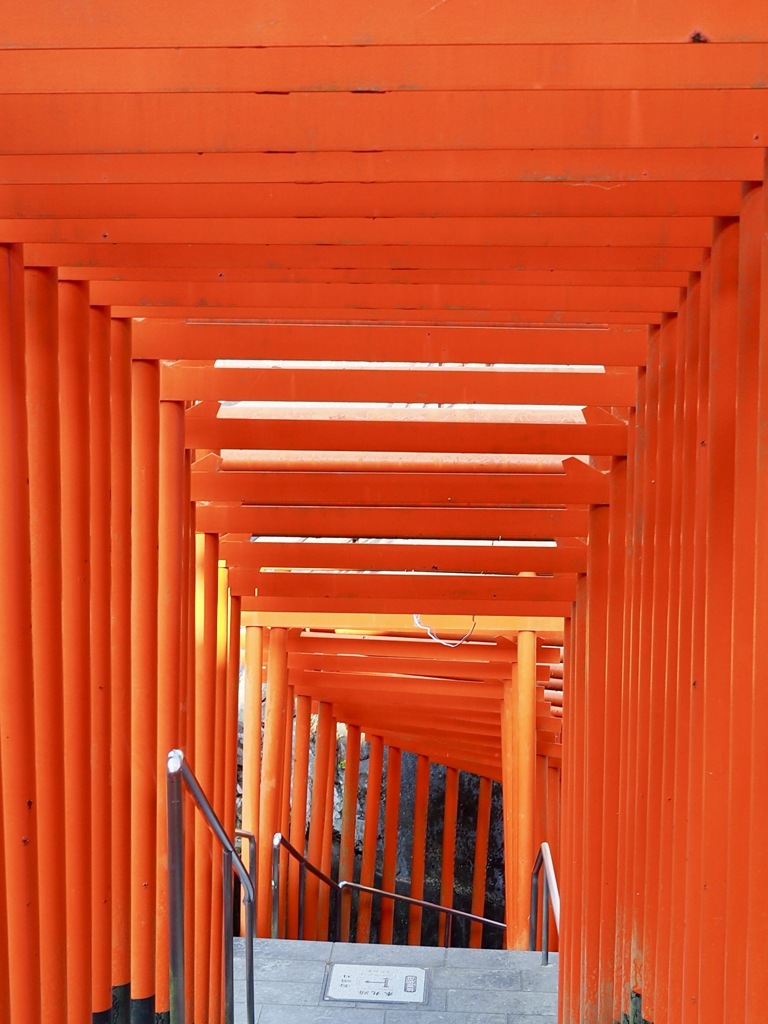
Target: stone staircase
460 986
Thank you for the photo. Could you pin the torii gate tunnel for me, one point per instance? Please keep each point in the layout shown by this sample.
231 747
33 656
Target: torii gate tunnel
325 324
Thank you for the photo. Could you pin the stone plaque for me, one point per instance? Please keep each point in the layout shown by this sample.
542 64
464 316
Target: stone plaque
369 983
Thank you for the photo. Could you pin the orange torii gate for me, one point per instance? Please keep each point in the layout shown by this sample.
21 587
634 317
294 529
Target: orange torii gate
385 206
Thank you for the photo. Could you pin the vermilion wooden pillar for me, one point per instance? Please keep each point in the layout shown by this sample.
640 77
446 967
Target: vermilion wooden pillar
325 725
271 770
20 978
144 649
665 916
480 869
745 643
206 596
233 700
660 685
120 667
757 919
391 829
420 808
326 859
348 822
607 990
76 583
448 859
44 498
518 745
370 834
171 612
219 775
252 733
689 456
592 742
298 807
692 783
720 551
101 681
285 804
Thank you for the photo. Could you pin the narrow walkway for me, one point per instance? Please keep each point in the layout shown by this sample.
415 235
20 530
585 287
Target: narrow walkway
462 986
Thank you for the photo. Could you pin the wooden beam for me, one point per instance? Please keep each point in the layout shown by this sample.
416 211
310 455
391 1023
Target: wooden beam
173 339
451 523
415 557
184 383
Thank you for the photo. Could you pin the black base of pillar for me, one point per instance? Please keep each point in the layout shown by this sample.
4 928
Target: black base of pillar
121 1005
143 1010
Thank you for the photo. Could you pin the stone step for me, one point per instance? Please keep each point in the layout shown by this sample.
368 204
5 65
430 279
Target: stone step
460 986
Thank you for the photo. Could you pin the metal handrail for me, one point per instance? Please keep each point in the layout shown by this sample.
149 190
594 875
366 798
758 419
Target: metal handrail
338 888
550 894
178 771
450 912
279 840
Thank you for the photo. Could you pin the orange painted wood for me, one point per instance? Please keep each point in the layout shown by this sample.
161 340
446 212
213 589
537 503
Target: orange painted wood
370 833
326 860
757 922
720 555
100 668
169 677
455 558
745 508
480 864
577 485
298 807
206 583
285 800
252 733
448 859
188 122
313 68
349 823
20 976
420 808
120 641
438 524
385 661
35 377
395 434
349 385
489 298
271 772
252 257
382 199
391 835
403 22
317 816
612 346
685 232
75 609
144 674
318 585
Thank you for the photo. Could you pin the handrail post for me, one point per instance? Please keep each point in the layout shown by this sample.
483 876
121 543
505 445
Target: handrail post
252 866
176 886
250 934
276 885
545 922
302 887
533 925
227 934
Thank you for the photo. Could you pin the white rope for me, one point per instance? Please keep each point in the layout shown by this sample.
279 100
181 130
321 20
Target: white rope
446 643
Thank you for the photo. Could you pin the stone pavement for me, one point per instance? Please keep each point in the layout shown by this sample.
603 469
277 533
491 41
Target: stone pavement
463 986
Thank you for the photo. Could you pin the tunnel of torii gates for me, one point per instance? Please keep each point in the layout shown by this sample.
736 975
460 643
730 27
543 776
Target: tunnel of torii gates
316 318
